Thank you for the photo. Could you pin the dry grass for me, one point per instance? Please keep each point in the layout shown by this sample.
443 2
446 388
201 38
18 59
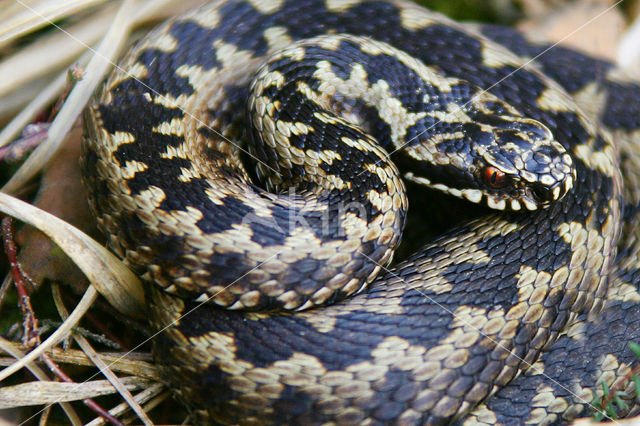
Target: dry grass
88 35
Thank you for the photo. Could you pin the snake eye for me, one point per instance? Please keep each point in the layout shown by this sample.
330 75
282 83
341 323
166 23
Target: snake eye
494 177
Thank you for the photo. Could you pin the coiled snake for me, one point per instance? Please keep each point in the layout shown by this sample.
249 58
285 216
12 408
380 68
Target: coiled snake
333 86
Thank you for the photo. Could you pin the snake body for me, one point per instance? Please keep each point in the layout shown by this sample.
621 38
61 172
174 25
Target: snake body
424 342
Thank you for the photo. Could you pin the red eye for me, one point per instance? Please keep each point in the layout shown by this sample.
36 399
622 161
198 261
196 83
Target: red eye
494 177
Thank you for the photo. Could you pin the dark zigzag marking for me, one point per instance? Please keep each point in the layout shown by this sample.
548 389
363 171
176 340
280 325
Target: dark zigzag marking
404 84
128 113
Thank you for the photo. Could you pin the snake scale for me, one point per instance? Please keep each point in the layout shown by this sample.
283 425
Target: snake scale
304 322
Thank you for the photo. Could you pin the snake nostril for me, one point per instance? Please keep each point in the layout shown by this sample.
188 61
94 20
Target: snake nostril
541 193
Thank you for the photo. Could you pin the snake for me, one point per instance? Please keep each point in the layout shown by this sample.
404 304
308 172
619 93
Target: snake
251 160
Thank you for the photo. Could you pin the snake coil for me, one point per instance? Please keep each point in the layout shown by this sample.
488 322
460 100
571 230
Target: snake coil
336 90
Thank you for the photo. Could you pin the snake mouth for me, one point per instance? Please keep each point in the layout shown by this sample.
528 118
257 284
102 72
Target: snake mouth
515 200
517 195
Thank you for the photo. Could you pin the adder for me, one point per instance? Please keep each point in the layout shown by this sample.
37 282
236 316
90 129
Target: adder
247 159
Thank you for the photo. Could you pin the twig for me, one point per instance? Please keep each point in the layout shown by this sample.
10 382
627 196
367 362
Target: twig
33 134
75 73
30 323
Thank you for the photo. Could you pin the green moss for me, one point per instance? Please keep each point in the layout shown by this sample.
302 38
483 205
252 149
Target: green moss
505 12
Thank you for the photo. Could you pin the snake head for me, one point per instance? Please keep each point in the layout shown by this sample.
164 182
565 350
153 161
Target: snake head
521 165
508 162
